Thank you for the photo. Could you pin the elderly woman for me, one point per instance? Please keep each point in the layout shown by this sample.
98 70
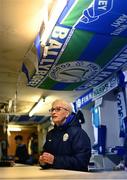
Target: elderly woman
67 145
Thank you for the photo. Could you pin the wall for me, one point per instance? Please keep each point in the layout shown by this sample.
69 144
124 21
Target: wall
87 126
109 117
11 140
42 131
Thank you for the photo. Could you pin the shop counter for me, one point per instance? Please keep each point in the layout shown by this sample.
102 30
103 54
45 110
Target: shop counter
19 172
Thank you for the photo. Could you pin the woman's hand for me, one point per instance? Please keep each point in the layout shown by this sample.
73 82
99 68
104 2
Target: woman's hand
46 158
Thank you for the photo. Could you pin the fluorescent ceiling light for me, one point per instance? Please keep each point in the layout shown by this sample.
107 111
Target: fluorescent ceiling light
13 128
37 107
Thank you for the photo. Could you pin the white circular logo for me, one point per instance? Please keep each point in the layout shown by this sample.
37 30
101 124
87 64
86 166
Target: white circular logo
78 103
65 137
75 71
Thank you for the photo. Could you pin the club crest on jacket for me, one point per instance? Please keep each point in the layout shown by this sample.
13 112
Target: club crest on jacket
65 137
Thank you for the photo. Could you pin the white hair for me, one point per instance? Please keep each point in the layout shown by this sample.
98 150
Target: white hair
65 103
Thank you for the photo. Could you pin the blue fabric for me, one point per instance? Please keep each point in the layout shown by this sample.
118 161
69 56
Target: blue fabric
121 79
38 47
102 131
69 119
21 153
25 70
95 116
125 125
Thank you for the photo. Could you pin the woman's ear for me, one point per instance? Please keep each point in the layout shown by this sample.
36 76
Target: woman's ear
67 114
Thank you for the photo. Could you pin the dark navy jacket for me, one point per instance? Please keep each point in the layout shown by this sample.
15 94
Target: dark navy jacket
70 145
21 153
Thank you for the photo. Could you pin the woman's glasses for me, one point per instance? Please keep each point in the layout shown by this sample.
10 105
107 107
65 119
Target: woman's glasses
57 109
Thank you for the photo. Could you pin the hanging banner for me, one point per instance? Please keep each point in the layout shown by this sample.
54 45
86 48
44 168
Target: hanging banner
96 93
105 87
87 45
83 100
121 112
56 45
93 13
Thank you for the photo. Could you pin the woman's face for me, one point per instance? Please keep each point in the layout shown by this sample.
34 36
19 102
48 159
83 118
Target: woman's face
59 113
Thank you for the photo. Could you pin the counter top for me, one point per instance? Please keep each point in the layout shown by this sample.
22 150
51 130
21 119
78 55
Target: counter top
19 172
